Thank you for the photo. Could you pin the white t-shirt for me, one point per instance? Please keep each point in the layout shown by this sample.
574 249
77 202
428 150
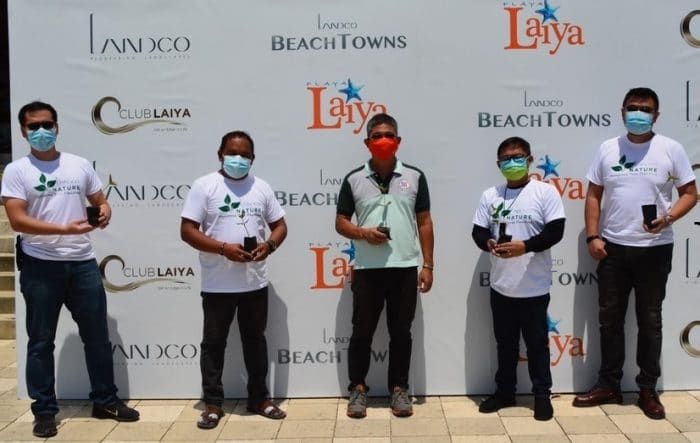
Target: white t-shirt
225 209
55 192
525 211
633 175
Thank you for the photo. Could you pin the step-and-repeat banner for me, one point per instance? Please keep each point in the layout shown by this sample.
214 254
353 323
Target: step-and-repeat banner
146 89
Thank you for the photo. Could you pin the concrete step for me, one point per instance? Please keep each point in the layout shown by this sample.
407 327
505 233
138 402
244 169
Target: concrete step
7 261
7 326
7 302
5 227
7 280
7 243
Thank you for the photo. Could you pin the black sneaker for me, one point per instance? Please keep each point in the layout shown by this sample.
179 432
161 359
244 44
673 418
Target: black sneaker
44 426
543 408
496 402
116 411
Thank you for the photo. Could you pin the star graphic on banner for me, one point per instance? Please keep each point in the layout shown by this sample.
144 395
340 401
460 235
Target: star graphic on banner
351 91
548 12
552 325
549 167
350 251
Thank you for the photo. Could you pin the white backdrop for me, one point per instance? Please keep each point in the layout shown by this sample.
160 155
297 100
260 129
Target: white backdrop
146 89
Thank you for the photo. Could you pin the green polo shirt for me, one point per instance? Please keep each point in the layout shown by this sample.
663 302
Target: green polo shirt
393 203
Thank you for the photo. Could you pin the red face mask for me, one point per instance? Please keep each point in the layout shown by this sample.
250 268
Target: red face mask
384 148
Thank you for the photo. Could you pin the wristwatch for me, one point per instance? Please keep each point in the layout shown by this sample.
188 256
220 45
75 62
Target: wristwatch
590 238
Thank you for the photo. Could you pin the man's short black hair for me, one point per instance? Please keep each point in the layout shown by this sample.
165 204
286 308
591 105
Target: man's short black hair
381 119
33 107
237 134
514 141
642 93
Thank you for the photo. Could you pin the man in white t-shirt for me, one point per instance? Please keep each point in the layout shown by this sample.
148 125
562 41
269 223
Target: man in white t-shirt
518 222
225 216
628 172
44 194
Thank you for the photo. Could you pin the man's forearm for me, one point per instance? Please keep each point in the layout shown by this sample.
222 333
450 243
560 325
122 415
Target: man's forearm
592 216
427 240
348 229
686 201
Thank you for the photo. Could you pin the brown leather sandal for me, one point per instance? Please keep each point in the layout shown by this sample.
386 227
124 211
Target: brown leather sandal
210 417
267 409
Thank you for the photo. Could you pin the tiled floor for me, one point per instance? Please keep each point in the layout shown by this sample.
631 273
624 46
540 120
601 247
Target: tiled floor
436 419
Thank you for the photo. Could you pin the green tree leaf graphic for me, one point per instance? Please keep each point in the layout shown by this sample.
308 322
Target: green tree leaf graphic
224 208
623 159
41 188
505 212
629 165
51 183
235 205
617 168
227 200
42 179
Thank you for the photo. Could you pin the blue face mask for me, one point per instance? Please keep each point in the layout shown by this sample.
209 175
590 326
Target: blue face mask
42 139
638 122
236 166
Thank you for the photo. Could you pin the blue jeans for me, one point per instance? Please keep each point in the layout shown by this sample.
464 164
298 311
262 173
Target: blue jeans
511 317
46 286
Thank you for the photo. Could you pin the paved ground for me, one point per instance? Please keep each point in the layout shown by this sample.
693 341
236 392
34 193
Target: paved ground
436 419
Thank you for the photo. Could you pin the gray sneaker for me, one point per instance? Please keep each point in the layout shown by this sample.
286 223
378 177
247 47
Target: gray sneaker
357 403
401 403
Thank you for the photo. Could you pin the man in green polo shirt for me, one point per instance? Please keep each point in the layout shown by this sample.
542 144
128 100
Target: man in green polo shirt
392 207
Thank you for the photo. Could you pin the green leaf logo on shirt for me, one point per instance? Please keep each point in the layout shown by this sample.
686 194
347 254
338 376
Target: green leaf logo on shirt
623 164
499 211
229 204
45 184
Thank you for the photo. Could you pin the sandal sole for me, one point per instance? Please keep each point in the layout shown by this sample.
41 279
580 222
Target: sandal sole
270 416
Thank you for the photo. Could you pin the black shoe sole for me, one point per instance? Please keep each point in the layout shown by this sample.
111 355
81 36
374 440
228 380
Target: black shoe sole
107 416
45 435
492 410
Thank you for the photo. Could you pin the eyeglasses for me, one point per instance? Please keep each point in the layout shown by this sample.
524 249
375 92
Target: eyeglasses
645 109
378 135
36 125
505 158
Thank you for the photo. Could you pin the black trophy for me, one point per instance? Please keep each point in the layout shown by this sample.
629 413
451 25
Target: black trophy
502 236
383 228
249 242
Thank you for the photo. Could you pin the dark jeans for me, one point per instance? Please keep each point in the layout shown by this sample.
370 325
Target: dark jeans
46 286
370 289
644 269
219 310
511 316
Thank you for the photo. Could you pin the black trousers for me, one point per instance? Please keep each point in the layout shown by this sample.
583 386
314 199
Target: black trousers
511 316
644 269
219 310
371 288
